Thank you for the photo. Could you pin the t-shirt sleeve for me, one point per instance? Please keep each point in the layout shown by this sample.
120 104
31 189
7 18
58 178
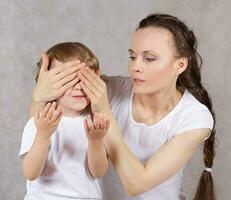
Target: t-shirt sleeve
118 88
196 119
28 136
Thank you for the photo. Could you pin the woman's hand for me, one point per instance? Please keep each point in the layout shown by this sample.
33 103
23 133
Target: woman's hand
97 127
48 120
95 89
53 83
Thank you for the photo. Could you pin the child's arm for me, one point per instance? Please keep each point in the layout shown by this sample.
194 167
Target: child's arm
46 123
97 159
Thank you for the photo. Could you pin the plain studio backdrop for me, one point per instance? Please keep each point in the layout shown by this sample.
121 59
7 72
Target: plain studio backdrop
29 27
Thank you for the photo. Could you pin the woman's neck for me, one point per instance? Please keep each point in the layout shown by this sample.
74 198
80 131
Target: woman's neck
151 108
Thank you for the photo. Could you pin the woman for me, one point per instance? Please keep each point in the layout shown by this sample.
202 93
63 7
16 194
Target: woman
164 113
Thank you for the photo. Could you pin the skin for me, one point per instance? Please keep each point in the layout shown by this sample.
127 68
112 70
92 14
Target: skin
154 69
72 103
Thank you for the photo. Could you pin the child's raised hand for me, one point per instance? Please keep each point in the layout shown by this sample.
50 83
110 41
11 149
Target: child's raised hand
48 120
97 126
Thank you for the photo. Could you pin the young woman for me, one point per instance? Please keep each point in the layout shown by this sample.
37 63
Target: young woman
158 117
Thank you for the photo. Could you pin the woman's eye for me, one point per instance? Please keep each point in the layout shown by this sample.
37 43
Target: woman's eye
150 59
132 57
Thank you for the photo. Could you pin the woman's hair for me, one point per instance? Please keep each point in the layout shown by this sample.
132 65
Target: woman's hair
186 46
69 51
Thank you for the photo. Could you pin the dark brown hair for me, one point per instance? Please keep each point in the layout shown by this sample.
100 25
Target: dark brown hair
69 51
186 46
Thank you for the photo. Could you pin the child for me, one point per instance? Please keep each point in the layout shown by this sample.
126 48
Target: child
57 155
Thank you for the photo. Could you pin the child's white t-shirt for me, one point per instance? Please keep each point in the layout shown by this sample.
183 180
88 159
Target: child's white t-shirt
144 140
65 175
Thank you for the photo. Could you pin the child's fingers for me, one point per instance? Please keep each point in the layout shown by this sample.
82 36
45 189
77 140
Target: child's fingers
85 125
102 121
90 124
59 118
37 116
45 110
51 110
97 121
56 114
107 124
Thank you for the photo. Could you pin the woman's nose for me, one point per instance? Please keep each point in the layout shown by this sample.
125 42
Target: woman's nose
137 66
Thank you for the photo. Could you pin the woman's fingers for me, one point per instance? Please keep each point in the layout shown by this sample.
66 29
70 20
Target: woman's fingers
91 74
66 80
87 91
45 63
70 70
93 87
66 68
90 80
67 86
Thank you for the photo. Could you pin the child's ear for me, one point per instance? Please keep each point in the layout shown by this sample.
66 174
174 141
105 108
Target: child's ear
97 71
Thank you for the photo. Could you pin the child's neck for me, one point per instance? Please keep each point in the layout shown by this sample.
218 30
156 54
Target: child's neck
72 114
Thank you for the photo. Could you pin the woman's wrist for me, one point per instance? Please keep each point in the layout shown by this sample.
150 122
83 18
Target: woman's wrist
35 97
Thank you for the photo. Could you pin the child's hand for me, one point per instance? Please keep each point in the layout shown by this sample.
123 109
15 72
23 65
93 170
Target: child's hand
48 120
97 127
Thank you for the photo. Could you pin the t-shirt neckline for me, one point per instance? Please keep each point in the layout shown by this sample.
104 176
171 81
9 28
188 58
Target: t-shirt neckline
171 112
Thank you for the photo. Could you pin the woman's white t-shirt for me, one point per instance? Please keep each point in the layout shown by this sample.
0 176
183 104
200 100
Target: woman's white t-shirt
144 140
65 175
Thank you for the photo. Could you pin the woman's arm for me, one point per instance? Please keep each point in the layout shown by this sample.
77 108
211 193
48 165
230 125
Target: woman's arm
96 129
46 123
135 176
53 83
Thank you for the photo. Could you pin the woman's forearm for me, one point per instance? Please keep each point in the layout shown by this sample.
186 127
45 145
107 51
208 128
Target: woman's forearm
97 158
130 170
34 160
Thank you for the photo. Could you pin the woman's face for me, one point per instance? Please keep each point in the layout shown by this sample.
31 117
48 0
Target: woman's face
153 65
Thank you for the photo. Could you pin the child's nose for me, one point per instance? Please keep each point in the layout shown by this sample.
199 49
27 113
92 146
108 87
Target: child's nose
77 86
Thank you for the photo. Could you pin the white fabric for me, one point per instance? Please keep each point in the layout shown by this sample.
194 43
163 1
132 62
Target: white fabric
208 169
65 174
144 140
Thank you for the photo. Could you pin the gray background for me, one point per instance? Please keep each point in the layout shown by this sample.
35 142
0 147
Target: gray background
28 28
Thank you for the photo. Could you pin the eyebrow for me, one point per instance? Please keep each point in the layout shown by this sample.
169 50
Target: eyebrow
145 52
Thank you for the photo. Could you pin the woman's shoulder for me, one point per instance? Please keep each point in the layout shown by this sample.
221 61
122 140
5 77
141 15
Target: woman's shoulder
117 85
116 80
191 114
191 103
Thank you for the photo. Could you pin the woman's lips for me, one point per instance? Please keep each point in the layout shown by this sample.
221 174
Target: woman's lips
138 81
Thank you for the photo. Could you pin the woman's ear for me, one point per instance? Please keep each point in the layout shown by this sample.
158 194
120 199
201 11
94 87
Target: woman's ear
181 65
